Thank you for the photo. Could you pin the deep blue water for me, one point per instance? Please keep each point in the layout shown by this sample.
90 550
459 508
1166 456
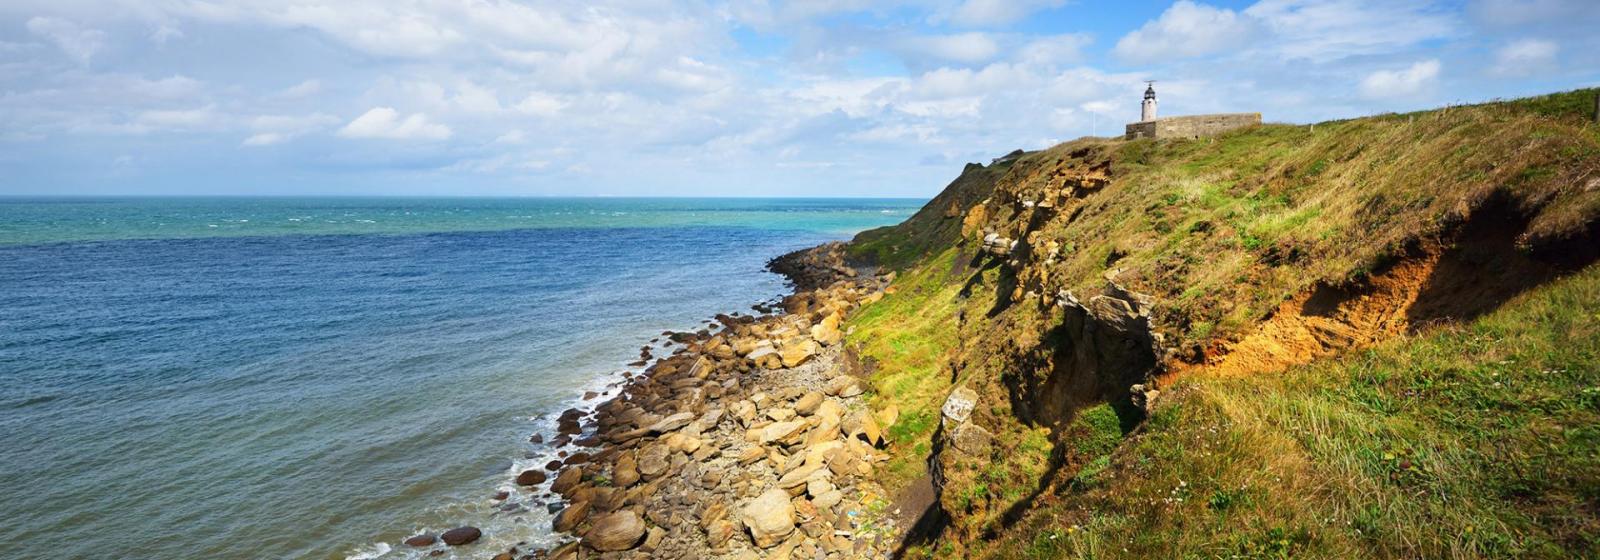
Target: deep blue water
323 396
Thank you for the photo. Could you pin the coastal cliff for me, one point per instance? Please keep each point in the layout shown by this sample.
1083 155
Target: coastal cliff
1368 338
1365 338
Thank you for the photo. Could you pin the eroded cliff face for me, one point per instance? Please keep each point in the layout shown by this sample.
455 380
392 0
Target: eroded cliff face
1085 277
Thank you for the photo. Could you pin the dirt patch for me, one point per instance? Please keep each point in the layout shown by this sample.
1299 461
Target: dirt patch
1327 320
1471 273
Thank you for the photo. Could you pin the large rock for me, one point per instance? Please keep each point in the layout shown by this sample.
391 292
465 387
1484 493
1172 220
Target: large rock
425 539
770 518
958 406
796 353
625 473
844 386
784 433
862 425
619 531
766 356
570 517
808 403
567 480
827 332
654 461
460 535
531 477
672 423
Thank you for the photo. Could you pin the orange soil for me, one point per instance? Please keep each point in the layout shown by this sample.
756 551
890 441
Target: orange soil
1328 320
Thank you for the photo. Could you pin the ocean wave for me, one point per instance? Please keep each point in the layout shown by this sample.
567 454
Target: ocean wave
370 552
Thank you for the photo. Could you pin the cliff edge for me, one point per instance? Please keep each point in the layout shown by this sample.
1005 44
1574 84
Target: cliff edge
1365 338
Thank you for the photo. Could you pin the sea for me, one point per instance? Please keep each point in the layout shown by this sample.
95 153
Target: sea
251 378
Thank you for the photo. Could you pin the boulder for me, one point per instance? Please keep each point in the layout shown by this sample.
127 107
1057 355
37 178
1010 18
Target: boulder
784 433
567 480
654 461
844 386
425 539
570 517
796 353
531 477
861 425
808 403
769 517
625 473
618 531
827 331
460 535
672 423
958 406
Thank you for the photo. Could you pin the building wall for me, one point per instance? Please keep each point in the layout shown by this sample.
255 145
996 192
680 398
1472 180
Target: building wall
1193 126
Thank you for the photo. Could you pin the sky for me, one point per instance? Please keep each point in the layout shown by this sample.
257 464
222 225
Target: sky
700 98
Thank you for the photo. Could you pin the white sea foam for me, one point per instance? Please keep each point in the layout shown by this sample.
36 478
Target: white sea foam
369 552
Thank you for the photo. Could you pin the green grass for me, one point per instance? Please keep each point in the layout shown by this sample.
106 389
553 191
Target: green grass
1409 449
906 335
1474 441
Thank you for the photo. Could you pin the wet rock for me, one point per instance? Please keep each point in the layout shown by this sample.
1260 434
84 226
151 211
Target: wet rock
618 531
425 539
530 477
536 438
461 535
769 517
501 495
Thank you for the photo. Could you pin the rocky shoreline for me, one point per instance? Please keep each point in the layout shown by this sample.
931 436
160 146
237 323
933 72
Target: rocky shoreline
750 440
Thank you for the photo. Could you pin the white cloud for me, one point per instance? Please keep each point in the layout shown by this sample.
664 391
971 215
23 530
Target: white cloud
1411 81
265 139
1055 50
80 43
1525 57
303 89
976 13
541 104
1184 30
966 48
385 122
165 33
168 120
1325 30
277 129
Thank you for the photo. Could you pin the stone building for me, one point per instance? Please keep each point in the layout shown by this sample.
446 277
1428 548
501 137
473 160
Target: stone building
1189 126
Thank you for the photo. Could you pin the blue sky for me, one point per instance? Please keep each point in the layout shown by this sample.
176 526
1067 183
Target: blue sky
727 98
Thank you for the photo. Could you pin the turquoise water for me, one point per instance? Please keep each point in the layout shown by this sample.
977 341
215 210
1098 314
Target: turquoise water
50 220
319 378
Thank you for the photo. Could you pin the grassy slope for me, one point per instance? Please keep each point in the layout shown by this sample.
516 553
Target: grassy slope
1480 440
1221 231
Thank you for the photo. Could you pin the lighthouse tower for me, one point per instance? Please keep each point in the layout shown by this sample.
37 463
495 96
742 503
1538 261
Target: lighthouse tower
1147 111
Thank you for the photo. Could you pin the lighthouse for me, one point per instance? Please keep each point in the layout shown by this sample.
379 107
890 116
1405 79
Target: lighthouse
1147 110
